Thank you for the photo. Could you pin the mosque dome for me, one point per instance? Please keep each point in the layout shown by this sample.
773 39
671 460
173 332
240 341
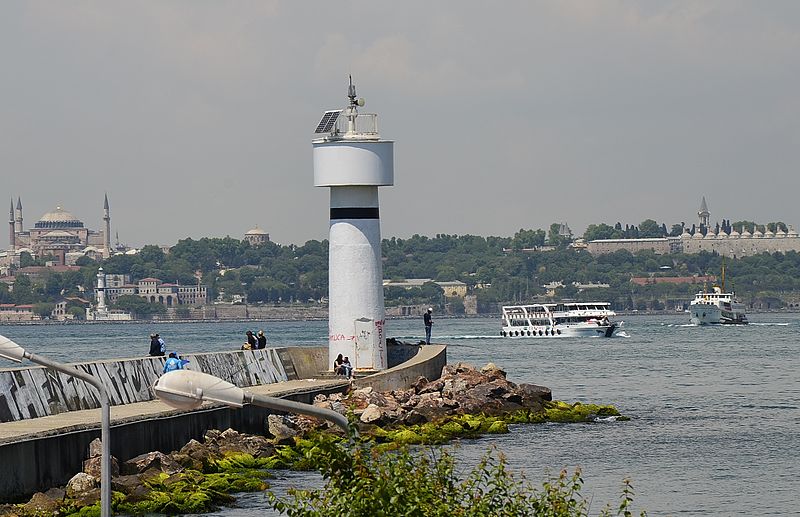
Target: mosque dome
59 218
256 231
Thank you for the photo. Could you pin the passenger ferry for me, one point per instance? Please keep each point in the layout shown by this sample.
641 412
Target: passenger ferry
566 319
717 307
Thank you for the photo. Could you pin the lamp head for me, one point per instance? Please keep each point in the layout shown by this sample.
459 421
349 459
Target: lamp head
10 350
187 389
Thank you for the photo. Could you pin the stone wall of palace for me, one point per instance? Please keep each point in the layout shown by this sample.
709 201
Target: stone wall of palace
735 245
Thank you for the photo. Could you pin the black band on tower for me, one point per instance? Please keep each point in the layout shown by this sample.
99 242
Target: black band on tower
354 213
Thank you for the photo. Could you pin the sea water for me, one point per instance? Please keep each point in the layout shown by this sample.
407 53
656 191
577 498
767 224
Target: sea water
715 411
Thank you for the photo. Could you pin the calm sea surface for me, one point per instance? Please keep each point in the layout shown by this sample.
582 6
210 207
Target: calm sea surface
715 411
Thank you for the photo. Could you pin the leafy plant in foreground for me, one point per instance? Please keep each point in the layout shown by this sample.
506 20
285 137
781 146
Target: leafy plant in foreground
424 482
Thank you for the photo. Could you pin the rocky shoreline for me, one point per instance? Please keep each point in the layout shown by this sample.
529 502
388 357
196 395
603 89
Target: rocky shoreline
463 403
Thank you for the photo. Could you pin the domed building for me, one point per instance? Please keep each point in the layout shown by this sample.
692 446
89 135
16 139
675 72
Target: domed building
60 234
256 236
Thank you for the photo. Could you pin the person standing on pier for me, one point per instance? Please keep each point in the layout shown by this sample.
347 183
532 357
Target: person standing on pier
426 318
156 349
262 340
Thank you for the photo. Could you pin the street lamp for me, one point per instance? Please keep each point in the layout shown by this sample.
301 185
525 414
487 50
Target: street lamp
188 389
13 352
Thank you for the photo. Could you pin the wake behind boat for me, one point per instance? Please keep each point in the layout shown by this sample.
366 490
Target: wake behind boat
572 319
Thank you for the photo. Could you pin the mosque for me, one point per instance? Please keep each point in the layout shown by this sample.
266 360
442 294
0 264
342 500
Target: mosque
726 241
58 234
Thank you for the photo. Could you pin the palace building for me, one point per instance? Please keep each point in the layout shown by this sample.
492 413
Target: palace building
728 242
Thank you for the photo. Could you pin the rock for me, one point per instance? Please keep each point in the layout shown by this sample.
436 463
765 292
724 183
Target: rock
125 484
87 498
44 503
371 415
498 427
532 392
491 370
194 455
228 434
283 434
413 418
149 462
79 484
419 384
95 448
92 466
431 387
211 435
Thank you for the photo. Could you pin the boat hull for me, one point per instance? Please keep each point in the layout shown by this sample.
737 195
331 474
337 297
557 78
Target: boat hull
567 331
710 314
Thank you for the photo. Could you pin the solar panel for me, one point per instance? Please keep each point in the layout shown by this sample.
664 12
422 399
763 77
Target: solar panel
328 120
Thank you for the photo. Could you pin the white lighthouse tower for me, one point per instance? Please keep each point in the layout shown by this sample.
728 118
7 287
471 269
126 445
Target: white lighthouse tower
353 160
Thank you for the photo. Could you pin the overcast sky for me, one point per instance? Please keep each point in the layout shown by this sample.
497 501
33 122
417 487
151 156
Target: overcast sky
197 117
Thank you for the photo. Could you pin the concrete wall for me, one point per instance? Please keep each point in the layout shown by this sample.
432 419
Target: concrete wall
28 466
38 391
427 363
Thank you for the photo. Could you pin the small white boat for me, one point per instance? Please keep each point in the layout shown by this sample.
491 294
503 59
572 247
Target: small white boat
568 319
717 307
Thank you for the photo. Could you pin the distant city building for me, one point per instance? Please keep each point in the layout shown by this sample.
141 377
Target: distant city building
58 233
155 291
452 289
726 243
11 312
256 236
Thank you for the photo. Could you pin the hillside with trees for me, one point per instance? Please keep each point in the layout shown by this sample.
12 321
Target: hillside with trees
497 270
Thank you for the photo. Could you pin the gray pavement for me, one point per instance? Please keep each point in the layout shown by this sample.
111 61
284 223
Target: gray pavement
79 420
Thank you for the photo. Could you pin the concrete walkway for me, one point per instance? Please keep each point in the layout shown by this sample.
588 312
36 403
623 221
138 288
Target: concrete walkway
11 432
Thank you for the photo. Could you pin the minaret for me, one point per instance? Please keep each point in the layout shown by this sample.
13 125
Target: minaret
107 230
11 234
353 161
703 213
19 215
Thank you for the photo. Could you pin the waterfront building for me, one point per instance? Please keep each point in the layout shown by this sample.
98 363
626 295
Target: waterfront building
735 242
155 291
59 234
452 289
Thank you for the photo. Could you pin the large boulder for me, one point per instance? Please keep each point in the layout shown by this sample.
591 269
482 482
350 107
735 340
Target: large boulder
93 466
80 484
371 415
281 430
46 503
151 463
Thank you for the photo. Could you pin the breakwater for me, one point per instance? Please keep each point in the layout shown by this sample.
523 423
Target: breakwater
42 452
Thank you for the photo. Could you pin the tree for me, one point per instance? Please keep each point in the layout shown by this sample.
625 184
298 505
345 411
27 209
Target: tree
677 230
649 229
527 239
44 310
601 231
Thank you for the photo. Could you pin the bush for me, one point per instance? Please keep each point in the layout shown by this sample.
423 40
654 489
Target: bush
362 481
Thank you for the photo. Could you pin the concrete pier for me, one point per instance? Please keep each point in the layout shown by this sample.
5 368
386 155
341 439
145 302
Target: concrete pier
42 452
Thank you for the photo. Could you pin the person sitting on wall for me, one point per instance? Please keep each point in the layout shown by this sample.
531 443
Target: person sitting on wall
155 346
173 363
337 365
261 340
347 368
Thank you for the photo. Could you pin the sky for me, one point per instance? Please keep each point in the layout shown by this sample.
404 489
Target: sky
196 117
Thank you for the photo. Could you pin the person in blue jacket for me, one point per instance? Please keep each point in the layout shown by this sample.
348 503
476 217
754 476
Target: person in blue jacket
173 363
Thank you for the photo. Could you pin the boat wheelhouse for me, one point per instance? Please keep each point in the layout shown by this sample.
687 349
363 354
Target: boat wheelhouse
565 319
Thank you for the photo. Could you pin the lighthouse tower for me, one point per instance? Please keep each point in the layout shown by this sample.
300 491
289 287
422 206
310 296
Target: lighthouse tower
353 161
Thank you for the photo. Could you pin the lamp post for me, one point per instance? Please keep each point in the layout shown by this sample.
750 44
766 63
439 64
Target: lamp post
13 352
188 389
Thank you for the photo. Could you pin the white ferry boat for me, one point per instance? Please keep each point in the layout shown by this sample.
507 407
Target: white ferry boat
717 307
573 319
